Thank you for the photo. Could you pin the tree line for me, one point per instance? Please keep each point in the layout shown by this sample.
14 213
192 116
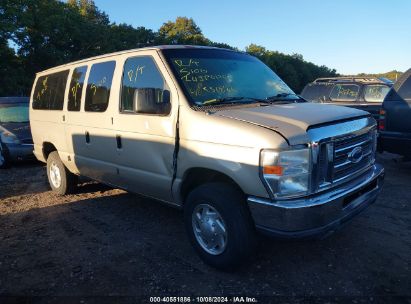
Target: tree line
39 34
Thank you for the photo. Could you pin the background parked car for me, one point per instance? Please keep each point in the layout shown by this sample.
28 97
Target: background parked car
395 118
16 142
357 92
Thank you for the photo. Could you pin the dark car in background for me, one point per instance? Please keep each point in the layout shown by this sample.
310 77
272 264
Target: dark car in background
395 118
357 92
16 142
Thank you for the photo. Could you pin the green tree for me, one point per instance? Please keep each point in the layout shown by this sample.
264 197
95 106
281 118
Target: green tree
293 69
123 37
46 33
391 75
256 50
12 80
182 31
89 10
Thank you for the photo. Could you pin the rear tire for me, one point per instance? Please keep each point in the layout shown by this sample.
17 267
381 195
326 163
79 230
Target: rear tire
61 180
219 225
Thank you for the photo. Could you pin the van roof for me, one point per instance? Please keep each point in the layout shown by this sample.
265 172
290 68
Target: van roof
349 79
158 47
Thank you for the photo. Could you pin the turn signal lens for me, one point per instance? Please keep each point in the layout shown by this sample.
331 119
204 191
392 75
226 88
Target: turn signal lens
286 173
277 170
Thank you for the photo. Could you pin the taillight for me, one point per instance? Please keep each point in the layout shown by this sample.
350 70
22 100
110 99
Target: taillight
381 120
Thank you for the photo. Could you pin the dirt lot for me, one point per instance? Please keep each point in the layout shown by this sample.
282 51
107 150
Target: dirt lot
104 241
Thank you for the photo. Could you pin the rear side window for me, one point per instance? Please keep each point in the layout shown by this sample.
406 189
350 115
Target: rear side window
141 73
76 88
49 91
99 86
375 93
345 92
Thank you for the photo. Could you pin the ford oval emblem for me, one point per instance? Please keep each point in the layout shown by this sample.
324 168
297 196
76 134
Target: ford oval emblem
355 155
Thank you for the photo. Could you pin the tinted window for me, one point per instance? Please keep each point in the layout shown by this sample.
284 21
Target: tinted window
141 73
49 91
345 92
317 92
76 88
99 86
375 93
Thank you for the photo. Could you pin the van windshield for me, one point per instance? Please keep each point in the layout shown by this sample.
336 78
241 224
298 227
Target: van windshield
208 76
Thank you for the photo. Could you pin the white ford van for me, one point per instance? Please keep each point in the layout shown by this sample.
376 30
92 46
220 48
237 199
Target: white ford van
212 131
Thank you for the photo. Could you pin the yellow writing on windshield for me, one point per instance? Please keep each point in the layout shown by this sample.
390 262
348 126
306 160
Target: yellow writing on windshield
190 62
201 89
190 70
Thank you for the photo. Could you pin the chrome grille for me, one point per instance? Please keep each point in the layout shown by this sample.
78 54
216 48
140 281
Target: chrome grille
331 148
352 154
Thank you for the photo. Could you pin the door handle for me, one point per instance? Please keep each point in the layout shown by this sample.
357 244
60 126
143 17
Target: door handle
87 137
119 143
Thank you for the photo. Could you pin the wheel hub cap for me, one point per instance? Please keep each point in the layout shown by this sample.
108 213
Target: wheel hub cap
209 229
55 175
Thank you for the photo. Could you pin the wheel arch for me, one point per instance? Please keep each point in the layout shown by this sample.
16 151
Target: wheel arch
47 148
197 176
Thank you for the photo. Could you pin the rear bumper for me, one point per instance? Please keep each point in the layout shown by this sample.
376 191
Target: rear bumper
320 214
395 142
19 152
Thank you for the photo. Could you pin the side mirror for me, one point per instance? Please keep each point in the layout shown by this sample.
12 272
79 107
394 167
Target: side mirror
152 101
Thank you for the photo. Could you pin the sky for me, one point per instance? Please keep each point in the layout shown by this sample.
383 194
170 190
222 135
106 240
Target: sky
352 36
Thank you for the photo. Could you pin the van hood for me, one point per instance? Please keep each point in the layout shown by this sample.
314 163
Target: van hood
292 120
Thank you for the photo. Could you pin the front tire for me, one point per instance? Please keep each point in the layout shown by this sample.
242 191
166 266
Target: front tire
4 159
219 225
61 180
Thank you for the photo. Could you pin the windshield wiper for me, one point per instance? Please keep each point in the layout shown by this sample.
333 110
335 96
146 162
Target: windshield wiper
283 97
233 100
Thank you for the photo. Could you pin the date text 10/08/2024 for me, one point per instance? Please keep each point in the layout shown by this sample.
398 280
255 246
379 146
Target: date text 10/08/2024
235 299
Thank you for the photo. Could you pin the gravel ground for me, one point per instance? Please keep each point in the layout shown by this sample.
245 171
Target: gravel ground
102 241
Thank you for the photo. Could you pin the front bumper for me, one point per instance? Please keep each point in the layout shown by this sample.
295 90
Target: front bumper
320 214
19 152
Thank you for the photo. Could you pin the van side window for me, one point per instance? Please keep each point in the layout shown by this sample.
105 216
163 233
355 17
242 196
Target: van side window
141 74
76 88
345 92
99 86
49 91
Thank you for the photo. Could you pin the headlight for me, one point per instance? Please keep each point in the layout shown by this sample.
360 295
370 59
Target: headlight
9 138
286 173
